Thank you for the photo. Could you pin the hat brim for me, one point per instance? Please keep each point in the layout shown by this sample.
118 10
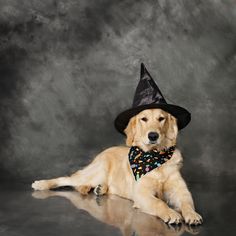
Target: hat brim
182 115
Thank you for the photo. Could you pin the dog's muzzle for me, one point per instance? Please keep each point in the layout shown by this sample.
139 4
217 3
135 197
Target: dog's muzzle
153 136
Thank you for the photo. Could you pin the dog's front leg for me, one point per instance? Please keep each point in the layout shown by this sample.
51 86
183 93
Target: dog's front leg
145 199
178 195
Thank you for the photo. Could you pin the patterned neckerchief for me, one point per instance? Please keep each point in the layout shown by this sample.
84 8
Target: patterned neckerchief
143 162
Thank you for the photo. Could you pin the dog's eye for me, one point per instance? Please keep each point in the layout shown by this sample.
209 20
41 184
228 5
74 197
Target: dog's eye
161 119
144 119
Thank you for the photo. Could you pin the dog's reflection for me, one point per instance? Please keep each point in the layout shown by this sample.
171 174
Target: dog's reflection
119 212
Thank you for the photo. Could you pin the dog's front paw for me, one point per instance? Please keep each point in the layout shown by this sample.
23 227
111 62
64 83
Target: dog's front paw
170 216
40 185
191 217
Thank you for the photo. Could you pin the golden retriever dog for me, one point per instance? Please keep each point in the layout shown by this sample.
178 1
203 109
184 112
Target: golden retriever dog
119 213
154 192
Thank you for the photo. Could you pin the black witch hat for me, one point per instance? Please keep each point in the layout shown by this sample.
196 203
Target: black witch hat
148 95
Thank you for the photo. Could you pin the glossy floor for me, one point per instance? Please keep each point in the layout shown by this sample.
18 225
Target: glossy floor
24 212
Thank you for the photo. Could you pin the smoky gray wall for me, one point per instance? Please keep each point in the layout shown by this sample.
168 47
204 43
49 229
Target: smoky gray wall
67 68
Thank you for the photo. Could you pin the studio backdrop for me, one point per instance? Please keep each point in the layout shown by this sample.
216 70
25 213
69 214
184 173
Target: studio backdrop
67 68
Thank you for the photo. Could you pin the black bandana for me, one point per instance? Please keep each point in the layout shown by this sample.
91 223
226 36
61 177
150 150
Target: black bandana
143 162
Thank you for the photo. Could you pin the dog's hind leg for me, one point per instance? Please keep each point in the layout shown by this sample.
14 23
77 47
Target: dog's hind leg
100 189
53 183
82 180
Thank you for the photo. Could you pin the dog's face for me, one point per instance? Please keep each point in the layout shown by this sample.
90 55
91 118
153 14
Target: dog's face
152 128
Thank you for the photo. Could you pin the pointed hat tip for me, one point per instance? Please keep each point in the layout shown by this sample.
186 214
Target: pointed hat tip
142 70
142 66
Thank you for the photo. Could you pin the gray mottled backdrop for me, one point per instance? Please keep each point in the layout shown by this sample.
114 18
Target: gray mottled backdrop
67 68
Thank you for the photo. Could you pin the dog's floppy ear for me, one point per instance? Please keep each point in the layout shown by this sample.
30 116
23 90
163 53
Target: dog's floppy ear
130 131
172 129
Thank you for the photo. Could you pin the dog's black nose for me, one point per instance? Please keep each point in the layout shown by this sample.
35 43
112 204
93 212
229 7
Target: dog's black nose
153 136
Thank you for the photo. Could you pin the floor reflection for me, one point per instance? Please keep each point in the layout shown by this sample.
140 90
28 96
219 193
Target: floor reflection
119 212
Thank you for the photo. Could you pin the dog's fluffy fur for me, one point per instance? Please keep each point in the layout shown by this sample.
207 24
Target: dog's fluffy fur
110 172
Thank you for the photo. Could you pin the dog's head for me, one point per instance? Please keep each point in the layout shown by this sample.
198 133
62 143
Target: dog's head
152 128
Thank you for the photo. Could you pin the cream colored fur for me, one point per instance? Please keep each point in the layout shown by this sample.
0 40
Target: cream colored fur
156 190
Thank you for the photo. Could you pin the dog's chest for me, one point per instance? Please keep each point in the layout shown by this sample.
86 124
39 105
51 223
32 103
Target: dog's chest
162 173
